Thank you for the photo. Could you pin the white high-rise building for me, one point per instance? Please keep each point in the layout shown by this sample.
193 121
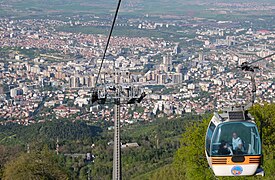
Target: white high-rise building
74 82
167 60
13 92
177 78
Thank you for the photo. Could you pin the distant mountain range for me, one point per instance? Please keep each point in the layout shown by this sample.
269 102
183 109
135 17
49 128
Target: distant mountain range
134 7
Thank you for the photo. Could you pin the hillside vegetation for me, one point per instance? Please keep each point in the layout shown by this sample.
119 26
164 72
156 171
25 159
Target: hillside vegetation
169 149
190 162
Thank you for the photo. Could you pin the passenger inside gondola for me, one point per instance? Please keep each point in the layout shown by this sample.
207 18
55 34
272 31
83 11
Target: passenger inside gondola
241 137
237 144
224 149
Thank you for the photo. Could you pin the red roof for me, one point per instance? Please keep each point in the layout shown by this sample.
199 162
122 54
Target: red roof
263 31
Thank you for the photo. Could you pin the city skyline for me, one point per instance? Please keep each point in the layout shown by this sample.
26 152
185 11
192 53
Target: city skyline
185 56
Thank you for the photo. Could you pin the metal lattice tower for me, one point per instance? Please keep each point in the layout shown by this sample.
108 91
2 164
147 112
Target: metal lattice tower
118 94
117 147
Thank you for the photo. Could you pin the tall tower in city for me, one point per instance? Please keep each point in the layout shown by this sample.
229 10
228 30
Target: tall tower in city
74 82
167 62
1 88
201 56
177 49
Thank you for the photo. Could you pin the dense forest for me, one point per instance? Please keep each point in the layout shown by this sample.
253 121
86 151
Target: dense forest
158 141
168 149
12 133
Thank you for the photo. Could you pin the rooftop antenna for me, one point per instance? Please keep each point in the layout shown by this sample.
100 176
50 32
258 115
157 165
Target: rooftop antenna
57 146
28 148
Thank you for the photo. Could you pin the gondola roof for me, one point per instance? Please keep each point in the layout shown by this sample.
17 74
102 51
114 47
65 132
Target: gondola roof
233 113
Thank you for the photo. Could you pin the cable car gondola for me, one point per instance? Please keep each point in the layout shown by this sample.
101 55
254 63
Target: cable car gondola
233 145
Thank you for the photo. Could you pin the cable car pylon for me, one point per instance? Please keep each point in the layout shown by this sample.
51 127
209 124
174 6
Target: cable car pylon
118 94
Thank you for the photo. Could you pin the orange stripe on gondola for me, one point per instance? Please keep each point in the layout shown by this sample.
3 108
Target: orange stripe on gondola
228 160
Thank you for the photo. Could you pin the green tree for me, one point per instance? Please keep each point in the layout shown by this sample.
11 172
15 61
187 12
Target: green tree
190 161
265 119
6 154
35 165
